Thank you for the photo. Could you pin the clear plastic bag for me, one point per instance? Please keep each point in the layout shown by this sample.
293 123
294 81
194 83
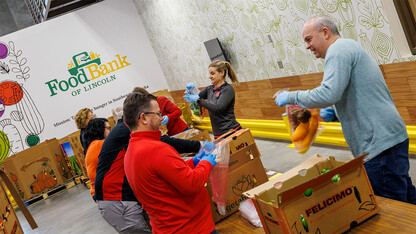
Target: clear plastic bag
304 125
279 92
218 176
187 134
249 212
197 111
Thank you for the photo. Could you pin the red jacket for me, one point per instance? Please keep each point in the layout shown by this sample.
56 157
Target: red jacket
176 124
170 190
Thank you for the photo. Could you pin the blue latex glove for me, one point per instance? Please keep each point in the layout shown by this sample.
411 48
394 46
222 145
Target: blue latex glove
210 158
281 100
165 120
208 146
191 98
328 114
189 87
197 158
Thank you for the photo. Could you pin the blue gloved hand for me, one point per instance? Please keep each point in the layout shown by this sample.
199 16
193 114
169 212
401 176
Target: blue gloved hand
189 87
281 100
197 158
165 120
210 158
208 146
328 114
191 98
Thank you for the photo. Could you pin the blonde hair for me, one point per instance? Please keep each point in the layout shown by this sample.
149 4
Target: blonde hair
81 118
225 66
140 90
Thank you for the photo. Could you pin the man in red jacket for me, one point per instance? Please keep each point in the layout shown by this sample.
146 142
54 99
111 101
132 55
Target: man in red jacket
169 189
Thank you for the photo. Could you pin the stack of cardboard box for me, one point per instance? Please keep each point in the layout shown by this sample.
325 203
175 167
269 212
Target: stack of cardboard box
78 150
318 196
245 171
38 169
8 219
9 223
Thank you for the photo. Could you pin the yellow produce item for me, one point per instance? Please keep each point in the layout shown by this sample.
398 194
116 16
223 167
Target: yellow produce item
303 145
300 131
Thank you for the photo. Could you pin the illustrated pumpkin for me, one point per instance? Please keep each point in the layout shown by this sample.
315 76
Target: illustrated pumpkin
14 177
37 186
41 176
49 181
59 158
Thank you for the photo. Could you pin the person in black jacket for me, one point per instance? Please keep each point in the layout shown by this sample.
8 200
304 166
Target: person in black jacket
113 194
218 98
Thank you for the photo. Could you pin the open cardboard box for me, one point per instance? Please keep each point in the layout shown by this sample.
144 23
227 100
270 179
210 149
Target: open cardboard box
78 150
37 169
238 139
243 178
245 171
303 200
9 223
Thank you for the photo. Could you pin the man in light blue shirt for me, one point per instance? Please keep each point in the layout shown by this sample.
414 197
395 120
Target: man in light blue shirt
354 84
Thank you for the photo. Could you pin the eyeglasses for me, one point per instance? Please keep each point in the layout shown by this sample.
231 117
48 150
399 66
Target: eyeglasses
156 113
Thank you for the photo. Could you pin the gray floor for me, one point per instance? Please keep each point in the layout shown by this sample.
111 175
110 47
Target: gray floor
73 211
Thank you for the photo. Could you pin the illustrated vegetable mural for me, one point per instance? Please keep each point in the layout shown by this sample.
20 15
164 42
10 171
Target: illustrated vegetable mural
4 146
16 104
255 33
16 144
32 120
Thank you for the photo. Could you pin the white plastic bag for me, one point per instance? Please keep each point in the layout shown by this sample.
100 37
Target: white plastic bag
249 212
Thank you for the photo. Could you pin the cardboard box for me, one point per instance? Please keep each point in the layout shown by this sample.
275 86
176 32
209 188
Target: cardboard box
37 169
243 156
70 156
245 170
303 200
9 222
112 121
241 179
78 150
238 139
8 219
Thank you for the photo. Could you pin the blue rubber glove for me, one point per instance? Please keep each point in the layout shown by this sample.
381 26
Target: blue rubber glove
210 158
208 146
165 120
197 158
328 114
191 98
281 100
189 87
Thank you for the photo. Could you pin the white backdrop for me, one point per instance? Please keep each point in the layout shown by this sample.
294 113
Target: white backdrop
115 43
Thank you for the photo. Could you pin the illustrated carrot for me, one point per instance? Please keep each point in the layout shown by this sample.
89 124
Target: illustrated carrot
305 143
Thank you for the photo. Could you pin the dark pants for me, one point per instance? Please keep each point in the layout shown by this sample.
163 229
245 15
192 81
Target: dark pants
389 174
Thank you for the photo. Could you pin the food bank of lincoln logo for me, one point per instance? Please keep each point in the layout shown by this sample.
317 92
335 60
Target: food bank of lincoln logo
84 69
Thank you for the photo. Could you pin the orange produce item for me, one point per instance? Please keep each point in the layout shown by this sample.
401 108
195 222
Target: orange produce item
300 131
303 145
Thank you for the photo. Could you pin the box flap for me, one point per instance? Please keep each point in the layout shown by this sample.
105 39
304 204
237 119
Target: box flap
285 176
289 194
